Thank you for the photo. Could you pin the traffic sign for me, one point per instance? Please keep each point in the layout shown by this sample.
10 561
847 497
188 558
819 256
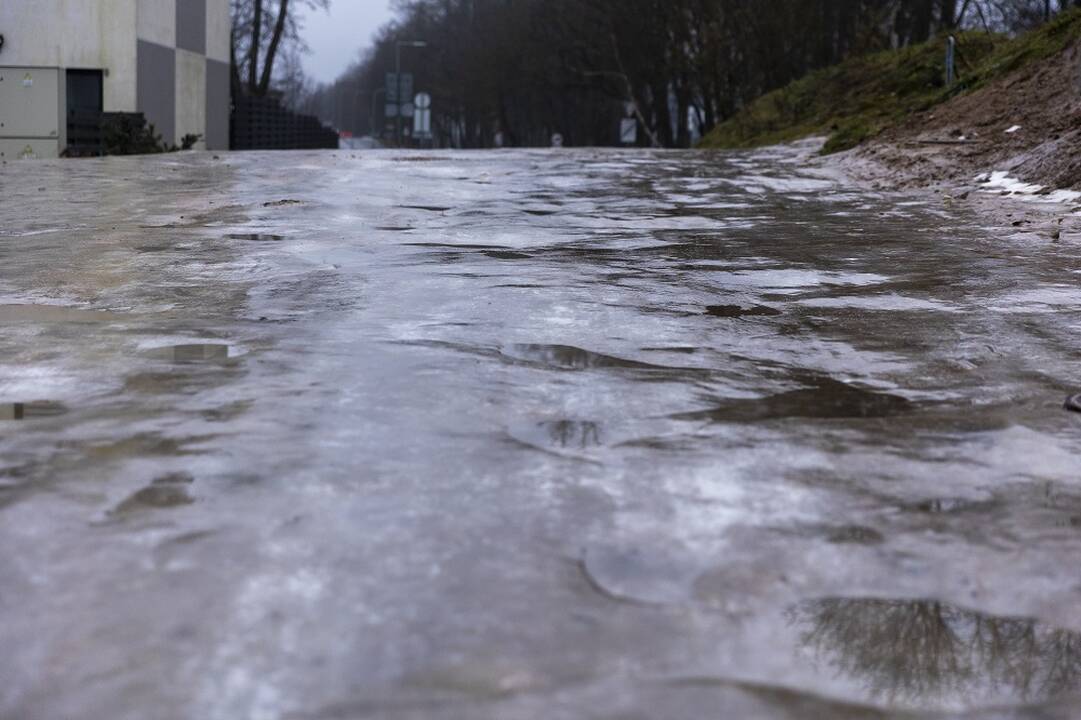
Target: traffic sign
422 123
422 118
393 87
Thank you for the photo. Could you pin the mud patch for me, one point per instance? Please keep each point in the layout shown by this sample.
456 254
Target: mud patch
506 255
826 399
427 208
738 311
568 357
255 237
855 535
154 497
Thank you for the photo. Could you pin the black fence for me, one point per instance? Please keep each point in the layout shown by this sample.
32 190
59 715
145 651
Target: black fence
85 137
261 123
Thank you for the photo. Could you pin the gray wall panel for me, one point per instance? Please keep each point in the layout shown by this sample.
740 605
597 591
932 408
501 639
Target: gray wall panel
191 25
218 102
155 92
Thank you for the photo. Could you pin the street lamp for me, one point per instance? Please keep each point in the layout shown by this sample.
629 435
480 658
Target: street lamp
398 78
371 119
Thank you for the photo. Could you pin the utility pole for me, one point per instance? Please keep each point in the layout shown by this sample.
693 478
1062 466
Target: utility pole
398 79
371 120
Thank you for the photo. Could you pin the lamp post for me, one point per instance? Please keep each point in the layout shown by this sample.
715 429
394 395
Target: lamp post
371 119
398 78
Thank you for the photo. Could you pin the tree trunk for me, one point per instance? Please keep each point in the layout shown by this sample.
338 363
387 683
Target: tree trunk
947 16
253 52
234 70
272 51
662 113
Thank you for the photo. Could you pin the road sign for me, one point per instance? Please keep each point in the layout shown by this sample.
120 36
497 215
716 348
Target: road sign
390 111
392 87
407 110
422 117
422 123
628 131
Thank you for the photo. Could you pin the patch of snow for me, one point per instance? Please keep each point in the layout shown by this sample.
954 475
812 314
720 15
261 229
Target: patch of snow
1013 129
1001 180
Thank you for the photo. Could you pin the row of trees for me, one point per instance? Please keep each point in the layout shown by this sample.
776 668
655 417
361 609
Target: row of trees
518 71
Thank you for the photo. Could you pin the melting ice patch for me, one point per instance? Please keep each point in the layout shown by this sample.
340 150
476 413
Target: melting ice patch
1001 180
892 302
793 279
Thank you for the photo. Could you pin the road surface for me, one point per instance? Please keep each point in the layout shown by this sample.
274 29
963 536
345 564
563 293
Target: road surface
529 434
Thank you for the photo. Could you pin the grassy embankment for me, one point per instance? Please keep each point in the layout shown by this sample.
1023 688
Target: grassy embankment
861 97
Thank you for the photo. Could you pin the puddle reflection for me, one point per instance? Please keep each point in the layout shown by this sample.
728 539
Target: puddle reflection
194 353
923 651
573 433
31 410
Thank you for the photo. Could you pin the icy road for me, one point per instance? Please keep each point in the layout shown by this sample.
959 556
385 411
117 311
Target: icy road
552 435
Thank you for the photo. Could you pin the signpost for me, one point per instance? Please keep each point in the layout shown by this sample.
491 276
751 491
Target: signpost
395 91
422 118
951 52
403 84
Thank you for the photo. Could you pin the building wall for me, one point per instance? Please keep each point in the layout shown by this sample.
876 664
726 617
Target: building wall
165 58
190 94
74 34
190 36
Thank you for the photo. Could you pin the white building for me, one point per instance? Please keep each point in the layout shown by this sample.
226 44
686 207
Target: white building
168 59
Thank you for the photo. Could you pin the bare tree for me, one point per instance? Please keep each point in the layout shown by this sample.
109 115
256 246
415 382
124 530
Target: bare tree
257 44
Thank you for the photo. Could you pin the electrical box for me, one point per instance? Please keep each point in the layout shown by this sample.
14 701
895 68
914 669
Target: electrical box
28 149
30 111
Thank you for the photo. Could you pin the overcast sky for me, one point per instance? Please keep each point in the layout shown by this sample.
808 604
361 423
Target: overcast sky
336 37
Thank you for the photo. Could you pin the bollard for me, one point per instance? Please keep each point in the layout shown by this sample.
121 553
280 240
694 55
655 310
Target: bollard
951 53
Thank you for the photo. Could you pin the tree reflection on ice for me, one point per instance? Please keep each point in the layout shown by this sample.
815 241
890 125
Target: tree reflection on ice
574 434
922 650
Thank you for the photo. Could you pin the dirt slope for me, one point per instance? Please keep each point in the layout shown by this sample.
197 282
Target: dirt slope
970 134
